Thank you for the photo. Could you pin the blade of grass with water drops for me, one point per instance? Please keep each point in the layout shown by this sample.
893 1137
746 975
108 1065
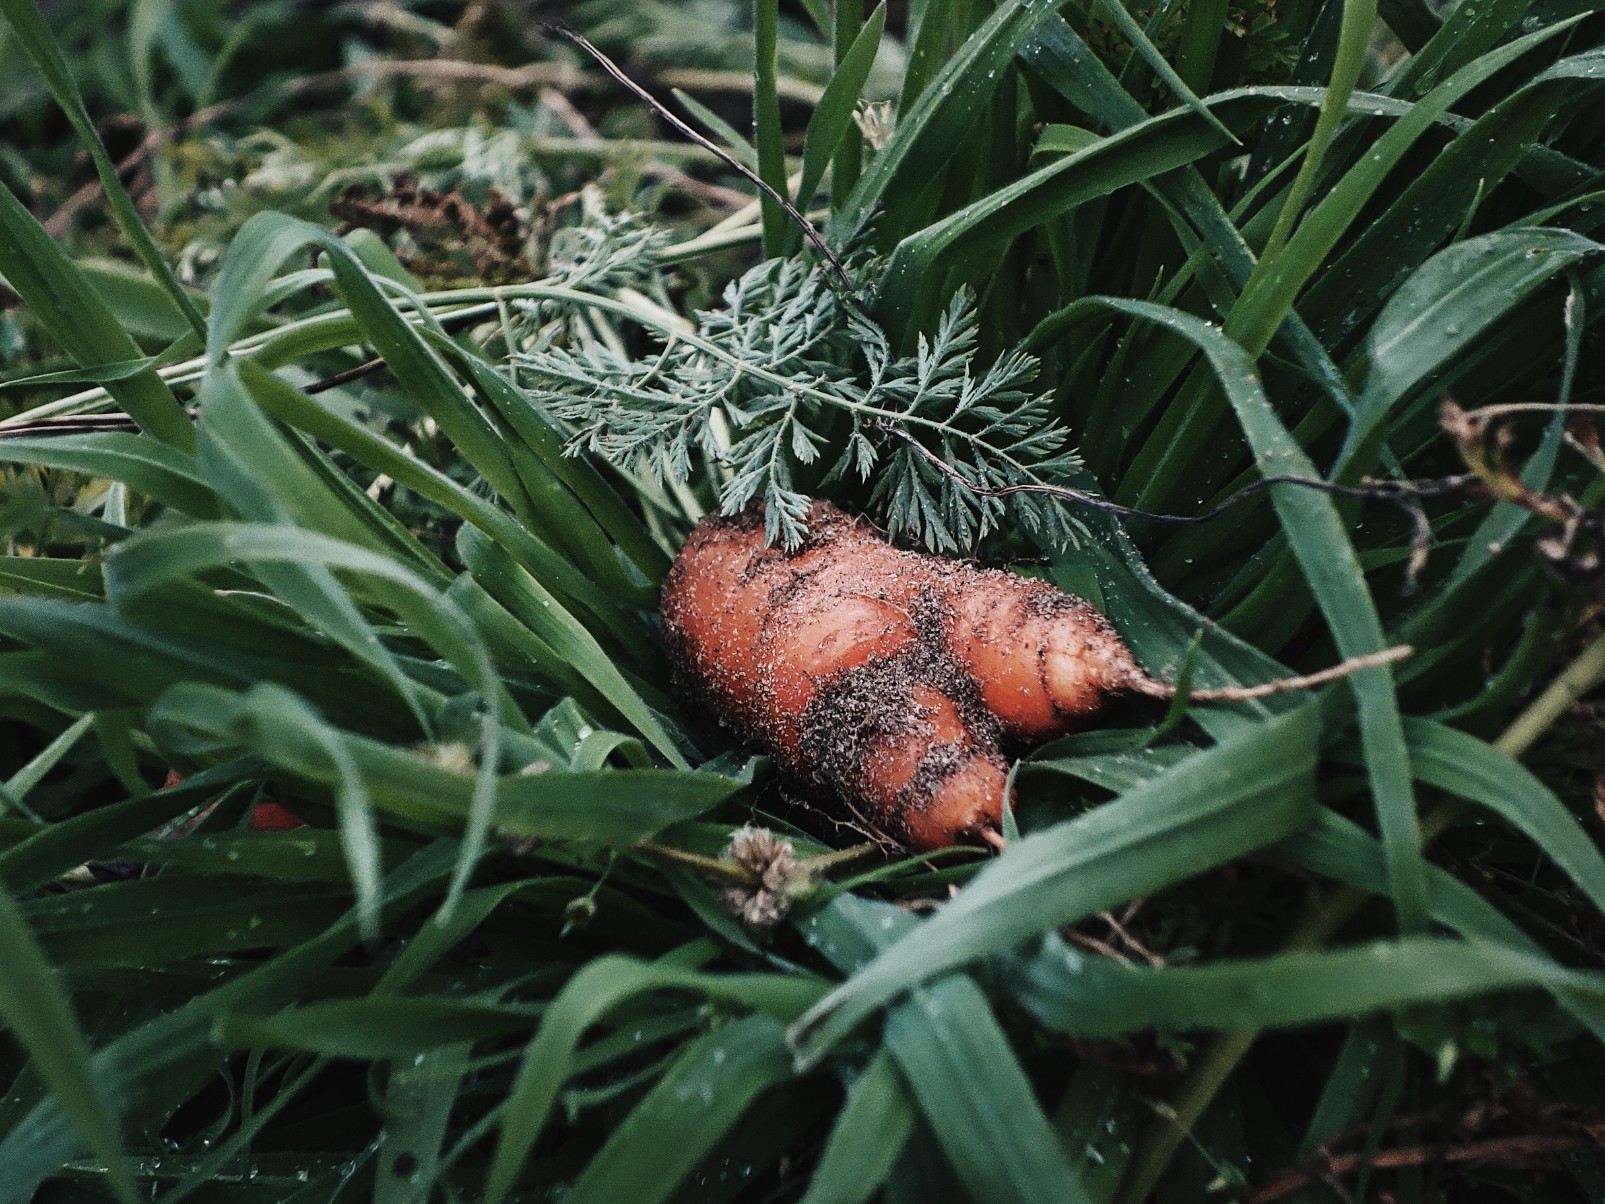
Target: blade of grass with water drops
1249 790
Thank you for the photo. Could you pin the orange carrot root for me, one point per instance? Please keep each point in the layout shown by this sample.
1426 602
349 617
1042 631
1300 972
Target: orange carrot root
889 678
894 679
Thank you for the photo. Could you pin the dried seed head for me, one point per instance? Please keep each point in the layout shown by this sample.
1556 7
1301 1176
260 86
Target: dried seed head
779 878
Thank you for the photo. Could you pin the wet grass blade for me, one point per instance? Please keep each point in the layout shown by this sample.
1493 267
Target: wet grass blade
1463 765
1245 792
831 128
713 1081
589 995
869 1134
169 1047
611 808
766 120
39 1016
34 36
1100 997
943 114
1269 296
1326 556
975 1096
145 465
73 314
1444 310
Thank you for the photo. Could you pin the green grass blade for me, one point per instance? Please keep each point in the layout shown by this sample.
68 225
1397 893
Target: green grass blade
39 1015
1099 997
542 561
1134 154
168 919
379 1026
1270 294
418 1101
713 1081
153 559
1463 36
869 1134
849 19
1340 849
233 465
68 307
258 252
1443 311
14 791
34 36
588 996
1150 54
36 1147
1465 766
505 580
831 129
1432 207
1354 38
154 469
958 1068
1327 558
601 505
766 120
1244 792
975 1096
611 808
944 113
49 577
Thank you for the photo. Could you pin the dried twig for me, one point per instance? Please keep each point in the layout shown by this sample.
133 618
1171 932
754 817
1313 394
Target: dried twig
1575 549
1517 1152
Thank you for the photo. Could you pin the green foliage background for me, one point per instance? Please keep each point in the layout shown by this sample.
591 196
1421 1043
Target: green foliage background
1231 950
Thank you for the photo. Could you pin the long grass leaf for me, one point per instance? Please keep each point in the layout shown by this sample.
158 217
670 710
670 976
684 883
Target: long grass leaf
145 465
588 996
611 808
70 310
1100 997
1326 556
1466 766
1270 294
867 1137
767 130
831 128
36 1010
713 1081
944 112
34 36
179 1040
1246 791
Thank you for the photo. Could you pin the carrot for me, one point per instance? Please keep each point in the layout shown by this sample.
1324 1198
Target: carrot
888 678
894 679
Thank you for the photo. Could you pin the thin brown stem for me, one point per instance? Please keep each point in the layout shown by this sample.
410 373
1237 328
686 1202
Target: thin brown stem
731 872
1521 1151
1347 668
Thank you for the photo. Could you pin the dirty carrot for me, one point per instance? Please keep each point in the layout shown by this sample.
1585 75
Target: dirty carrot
894 679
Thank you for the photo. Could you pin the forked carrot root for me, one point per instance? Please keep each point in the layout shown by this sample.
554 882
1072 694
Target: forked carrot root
894 679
